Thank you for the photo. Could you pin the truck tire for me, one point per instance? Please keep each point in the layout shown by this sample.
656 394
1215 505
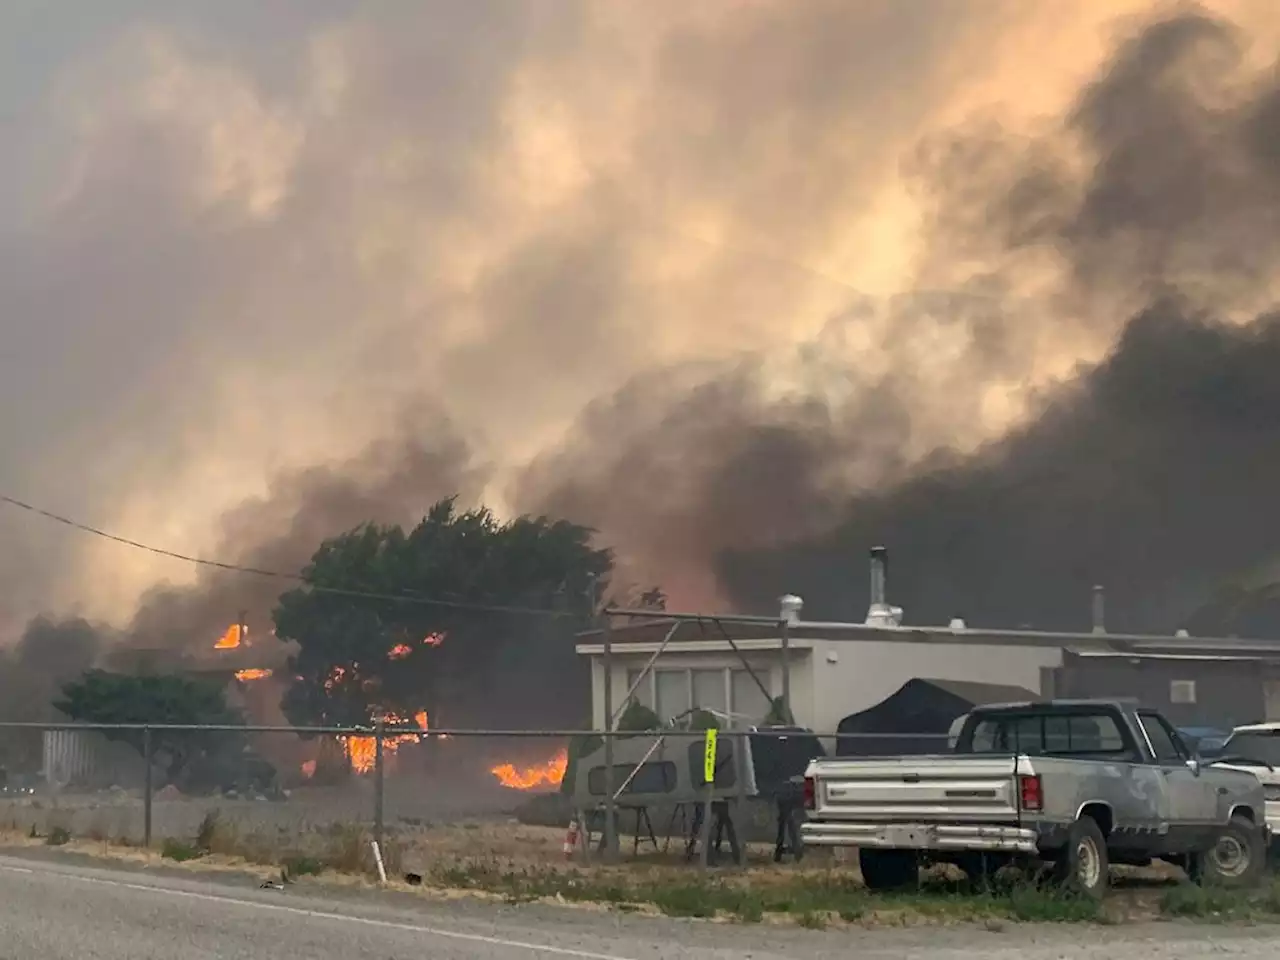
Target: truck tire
889 869
1083 867
1236 859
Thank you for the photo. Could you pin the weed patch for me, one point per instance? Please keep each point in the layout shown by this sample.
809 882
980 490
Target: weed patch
180 850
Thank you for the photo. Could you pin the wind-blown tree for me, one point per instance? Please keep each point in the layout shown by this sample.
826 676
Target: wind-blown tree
185 756
393 651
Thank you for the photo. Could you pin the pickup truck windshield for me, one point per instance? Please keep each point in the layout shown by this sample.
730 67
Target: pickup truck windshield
1254 745
1048 734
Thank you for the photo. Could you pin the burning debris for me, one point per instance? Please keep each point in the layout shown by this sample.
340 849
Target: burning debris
547 774
253 673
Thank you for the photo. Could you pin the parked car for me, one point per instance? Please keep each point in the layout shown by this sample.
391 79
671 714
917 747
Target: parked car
1256 748
1080 784
1206 742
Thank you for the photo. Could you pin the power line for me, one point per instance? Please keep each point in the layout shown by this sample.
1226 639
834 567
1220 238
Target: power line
295 577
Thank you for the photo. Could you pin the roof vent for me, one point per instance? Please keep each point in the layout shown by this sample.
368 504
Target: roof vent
957 624
879 612
1181 634
1099 609
790 606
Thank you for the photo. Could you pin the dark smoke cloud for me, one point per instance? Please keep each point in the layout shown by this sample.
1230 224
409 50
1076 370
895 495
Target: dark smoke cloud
391 482
389 182
1152 472
49 653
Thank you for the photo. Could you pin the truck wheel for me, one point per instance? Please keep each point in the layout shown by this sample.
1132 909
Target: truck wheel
1236 859
889 869
1083 867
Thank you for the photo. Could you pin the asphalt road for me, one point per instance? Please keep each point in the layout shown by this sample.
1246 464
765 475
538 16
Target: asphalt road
51 910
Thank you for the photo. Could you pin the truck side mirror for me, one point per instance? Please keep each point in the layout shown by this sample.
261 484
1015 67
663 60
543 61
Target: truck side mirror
1194 765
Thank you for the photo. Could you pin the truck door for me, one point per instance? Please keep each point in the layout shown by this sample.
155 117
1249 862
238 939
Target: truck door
1192 799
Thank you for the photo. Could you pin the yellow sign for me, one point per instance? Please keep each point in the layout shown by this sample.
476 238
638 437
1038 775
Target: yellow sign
709 761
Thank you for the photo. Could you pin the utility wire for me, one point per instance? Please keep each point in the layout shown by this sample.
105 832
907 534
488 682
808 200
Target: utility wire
280 574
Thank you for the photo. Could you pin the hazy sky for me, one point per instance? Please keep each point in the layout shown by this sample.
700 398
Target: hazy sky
240 240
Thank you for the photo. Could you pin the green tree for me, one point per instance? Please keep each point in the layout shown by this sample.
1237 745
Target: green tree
116 698
359 655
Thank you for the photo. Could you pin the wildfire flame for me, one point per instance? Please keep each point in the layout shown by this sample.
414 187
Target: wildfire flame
363 751
399 651
253 673
234 636
547 774
309 769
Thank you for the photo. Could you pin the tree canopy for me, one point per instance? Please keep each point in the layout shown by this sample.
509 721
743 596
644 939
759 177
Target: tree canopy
360 655
116 698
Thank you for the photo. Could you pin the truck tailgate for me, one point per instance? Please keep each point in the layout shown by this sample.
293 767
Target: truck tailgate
917 789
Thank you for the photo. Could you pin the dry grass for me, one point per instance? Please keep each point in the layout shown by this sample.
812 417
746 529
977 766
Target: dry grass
516 863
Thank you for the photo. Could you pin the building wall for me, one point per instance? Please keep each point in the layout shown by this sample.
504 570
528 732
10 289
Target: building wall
767 665
850 676
837 678
1227 692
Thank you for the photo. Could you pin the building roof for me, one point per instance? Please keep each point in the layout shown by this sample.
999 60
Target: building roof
686 629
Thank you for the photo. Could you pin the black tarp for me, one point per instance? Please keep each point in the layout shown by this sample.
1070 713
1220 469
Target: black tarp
924 708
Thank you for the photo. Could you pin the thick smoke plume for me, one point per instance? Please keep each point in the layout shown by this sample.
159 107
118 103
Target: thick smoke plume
1151 472
613 253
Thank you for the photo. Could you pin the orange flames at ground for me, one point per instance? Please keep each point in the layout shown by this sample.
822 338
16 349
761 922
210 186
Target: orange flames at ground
254 673
363 751
399 651
547 774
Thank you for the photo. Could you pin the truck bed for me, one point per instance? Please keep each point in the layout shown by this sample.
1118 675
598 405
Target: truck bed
938 802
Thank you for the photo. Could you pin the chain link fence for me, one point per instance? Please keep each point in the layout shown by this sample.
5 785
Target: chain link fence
273 794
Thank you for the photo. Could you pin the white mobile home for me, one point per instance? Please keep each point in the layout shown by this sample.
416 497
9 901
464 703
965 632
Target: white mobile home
828 671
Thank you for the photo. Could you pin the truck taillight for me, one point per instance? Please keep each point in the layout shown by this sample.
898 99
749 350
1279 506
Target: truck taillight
810 795
1030 793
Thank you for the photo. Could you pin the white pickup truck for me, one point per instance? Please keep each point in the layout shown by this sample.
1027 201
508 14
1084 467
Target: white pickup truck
1079 784
1256 748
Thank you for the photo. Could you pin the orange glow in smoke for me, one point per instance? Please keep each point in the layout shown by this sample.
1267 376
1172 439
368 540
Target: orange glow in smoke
253 673
433 639
309 769
399 651
547 774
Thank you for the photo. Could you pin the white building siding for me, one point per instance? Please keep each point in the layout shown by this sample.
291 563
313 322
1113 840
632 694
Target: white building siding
852 676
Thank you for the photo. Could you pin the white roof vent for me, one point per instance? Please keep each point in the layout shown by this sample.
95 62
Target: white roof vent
957 624
1181 634
789 607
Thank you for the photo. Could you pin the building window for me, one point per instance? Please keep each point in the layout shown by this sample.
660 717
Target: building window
672 693
644 692
1182 691
709 690
749 701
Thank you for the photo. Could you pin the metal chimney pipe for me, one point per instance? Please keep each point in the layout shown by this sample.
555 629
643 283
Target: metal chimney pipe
879 576
1099 609
879 612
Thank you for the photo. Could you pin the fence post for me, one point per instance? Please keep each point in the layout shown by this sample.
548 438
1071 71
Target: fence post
379 781
741 766
610 802
147 787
